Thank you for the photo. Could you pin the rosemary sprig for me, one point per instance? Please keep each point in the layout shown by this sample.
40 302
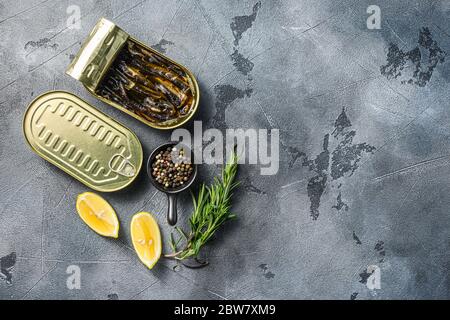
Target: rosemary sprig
211 210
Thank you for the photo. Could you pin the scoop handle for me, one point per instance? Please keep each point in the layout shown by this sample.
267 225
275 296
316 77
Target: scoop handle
172 209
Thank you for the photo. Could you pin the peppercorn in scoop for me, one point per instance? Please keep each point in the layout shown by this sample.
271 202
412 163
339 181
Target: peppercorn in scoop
172 173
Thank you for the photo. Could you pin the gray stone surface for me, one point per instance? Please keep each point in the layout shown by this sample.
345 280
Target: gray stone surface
364 161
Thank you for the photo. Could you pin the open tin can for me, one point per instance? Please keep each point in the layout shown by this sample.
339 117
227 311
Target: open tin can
130 76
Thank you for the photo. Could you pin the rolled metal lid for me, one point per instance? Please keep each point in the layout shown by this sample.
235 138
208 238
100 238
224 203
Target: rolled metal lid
82 141
97 53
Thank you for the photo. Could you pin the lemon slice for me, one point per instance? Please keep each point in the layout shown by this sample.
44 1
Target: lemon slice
146 238
98 214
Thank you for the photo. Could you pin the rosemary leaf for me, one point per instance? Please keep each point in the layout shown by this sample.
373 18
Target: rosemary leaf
211 209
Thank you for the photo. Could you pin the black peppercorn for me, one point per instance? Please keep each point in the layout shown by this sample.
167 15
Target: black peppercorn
169 173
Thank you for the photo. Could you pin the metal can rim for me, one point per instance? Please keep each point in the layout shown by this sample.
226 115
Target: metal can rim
141 157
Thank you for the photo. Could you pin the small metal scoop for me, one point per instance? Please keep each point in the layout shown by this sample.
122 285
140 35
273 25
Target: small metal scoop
171 192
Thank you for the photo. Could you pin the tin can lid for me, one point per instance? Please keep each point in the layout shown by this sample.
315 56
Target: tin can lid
97 53
82 141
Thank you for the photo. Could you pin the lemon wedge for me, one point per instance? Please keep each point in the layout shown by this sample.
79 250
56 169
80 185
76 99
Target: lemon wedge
98 214
146 238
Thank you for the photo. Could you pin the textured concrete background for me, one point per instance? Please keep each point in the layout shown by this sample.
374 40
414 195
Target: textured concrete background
364 157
